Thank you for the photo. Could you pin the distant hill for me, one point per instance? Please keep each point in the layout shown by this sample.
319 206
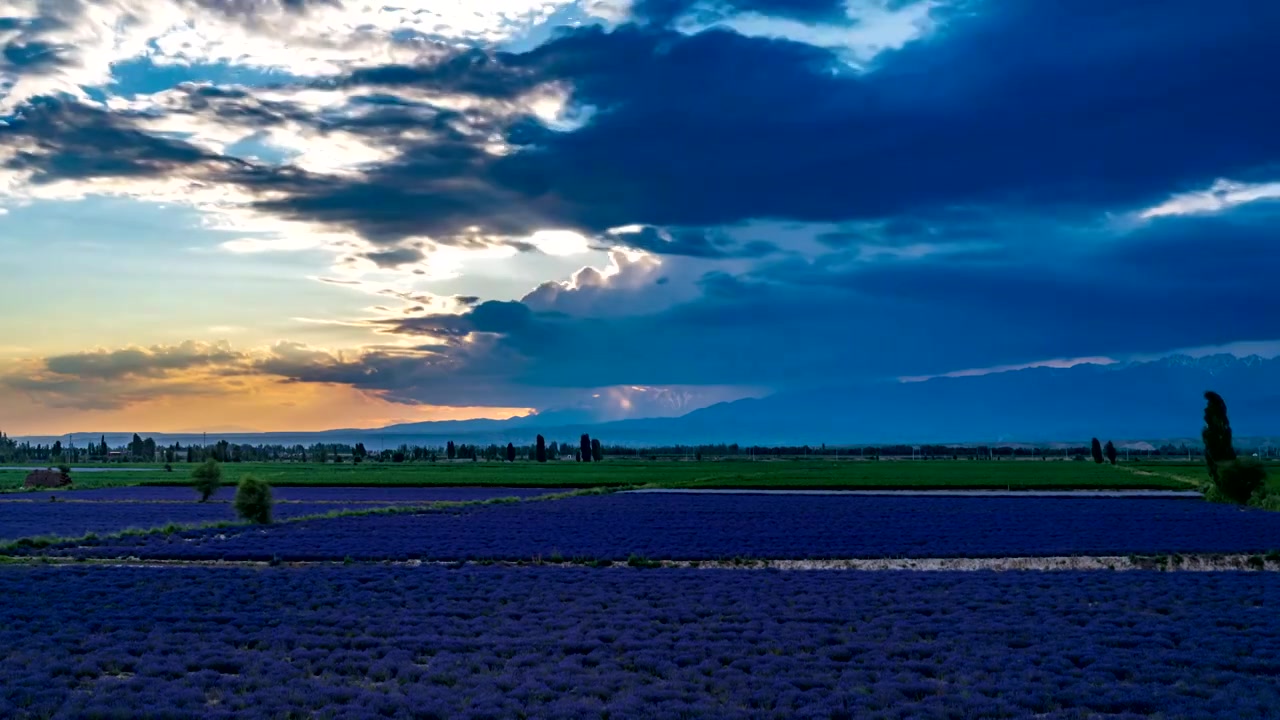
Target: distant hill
1126 402
1153 400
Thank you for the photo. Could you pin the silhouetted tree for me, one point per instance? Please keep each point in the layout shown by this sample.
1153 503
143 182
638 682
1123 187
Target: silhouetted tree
57 449
597 452
1240 478
1216 435
511 452
450 451
102 447
553 450
207 478
1110 452
253 500
584 448
1095 449
540 451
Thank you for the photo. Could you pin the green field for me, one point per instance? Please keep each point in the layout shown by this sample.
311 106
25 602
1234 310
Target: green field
789 474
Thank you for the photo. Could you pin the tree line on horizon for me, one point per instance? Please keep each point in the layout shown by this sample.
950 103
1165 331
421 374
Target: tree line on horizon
147 450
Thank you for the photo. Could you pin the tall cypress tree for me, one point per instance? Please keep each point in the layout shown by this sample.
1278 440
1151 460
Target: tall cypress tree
511 452
1095 448
597 452
1218 448
584 447
1110 452
540 451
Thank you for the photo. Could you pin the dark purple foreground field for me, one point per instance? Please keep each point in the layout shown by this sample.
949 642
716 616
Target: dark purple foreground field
370 642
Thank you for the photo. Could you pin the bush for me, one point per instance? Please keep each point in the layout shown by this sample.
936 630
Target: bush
65 469
1239 479
207 478
253 500
168 467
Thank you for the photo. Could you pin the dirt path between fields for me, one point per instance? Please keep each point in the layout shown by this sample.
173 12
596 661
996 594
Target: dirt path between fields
1132 494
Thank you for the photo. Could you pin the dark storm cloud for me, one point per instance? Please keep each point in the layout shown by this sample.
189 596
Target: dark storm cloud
64 140
34 56
142 361
1015 128
395 258
107 380
28 47
487 317
1107 106
789 323
694 243
472 72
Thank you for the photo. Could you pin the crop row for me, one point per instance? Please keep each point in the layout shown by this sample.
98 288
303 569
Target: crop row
71 519
397 495
115 509
364 642
662 526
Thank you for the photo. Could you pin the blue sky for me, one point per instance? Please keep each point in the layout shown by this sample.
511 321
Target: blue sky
296 214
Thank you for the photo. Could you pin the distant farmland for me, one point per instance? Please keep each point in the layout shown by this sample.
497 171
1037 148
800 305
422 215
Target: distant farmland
740 474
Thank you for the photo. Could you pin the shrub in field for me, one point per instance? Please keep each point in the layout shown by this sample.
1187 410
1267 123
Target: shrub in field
1239 479
207 478
1095 450
1110 451
253 500
46 479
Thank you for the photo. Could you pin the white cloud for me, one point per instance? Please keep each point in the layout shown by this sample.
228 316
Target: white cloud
1055 363
1222 195
873 26
916 251
323 39
559 242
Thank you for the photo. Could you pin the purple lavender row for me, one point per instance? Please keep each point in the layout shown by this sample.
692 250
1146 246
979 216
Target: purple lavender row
367 642
401 495
726 526
19 520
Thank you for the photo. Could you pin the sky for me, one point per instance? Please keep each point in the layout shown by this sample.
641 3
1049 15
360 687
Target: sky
265 215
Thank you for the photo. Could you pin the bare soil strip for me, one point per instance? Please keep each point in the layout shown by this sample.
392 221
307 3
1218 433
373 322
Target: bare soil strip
1118 563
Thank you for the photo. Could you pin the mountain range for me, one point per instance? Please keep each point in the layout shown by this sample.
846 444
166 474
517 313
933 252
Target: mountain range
1155 400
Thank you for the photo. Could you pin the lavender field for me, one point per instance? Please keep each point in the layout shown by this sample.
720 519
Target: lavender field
389 495
368 642
74 513
724 526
